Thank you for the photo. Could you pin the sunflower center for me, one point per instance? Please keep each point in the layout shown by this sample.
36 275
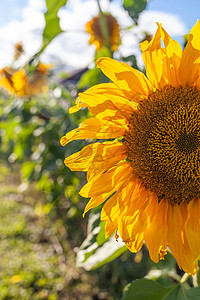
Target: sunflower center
96 26
163 143
188 142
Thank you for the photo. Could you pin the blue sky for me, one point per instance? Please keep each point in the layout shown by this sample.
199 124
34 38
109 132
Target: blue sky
23 20
11 9
187 10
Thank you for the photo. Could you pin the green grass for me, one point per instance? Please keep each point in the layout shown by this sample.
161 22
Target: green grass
33 263
37 257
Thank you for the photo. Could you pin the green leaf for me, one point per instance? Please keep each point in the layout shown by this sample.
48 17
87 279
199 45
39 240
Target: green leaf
97 250
151 290
134 8
145 289
132 60
101 235
27 169
91 78
52 27
183 293
188 294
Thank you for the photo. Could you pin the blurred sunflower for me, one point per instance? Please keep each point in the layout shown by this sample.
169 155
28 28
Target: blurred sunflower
18 50
20 83
150 173
97 36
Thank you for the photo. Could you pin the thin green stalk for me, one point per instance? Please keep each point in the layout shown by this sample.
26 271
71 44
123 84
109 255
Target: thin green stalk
104 27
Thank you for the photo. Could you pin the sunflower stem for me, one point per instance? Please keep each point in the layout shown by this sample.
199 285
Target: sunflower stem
194 280
104 27
184 278
198 275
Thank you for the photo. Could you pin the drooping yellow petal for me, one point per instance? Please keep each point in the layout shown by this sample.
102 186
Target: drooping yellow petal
95 201
112 155
110 227
156 234
139 198
192 227
100 156
134 85
131 229
109 181
118 204
93 128
179 246
76 107
190 63
110 210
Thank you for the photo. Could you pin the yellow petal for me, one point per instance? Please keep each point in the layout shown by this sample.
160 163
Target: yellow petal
192 226
110 210
95 201
101 156
94 128
106 182
76 107
179 246
134 85
190 63
139 199
131 229
110 227
105 105
172 59
118 204
162 63
155 236
153 54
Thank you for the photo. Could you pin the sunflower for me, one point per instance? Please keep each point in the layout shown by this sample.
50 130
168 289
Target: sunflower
148 171
13 81
97 37
18 82
18 50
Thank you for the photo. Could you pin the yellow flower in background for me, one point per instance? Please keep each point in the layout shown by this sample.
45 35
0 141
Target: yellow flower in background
18 50
149 173
37 82
97 38
5 79
18 82
14 82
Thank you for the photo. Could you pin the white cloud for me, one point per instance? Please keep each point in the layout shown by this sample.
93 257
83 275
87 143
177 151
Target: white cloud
172 23
71 47
28 30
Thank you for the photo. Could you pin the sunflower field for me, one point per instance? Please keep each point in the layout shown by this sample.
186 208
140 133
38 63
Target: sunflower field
100 165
